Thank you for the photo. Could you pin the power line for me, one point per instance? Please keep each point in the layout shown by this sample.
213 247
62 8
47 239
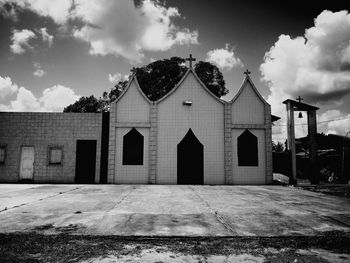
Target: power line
302 124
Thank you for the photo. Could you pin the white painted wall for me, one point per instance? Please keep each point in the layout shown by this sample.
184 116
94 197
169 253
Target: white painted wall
248 107
132 106
249 174
131 174
205 117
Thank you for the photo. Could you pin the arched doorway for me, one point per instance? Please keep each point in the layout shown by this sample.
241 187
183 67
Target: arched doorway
190 166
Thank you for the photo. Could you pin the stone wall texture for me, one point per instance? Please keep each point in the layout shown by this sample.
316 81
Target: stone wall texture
42 130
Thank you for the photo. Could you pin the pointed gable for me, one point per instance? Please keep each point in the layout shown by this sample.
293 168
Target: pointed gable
192 82
132 105
248 106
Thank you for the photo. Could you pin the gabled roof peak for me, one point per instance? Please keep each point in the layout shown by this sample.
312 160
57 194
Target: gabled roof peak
190 70
132 79
243 85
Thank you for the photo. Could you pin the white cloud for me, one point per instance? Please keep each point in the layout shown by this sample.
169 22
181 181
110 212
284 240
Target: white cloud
52 99
25 101
39 72
340 127
20 39
115 78
7 87
46 36
329 122
314 66
118 27
224 58
58 10
121 29
57 97
334 122
160 33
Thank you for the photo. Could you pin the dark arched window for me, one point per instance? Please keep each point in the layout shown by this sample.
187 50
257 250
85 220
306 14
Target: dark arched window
133 148
247 149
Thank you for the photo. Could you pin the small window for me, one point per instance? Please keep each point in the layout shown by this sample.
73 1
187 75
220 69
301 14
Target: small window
247 149
133 148
55 155
2 154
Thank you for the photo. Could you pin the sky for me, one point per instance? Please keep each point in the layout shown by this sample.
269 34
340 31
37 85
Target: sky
53 52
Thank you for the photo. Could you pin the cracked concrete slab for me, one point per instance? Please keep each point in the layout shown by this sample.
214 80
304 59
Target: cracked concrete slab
170 210
12 196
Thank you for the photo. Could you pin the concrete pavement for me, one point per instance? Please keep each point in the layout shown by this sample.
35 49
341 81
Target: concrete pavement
170 210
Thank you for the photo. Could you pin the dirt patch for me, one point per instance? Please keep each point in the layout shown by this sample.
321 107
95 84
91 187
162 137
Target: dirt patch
43 227
34 247
71 228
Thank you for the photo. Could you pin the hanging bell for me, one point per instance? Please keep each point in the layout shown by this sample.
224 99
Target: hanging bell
300 115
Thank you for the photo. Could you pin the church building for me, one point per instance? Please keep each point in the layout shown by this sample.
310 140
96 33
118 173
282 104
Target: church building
189 136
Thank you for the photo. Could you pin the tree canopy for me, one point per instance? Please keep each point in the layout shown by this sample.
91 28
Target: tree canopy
278 147
212 78
156 80
84 104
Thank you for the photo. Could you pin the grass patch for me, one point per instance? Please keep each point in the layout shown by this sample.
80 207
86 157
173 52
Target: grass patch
34 247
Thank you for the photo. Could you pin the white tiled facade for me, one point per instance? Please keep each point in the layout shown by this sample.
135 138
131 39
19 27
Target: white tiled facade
215 123
132 106
248 107
206 119
249 174
132 110
131 174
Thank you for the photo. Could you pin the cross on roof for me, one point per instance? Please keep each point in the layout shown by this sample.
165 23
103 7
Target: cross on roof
190 59
299 99
247 72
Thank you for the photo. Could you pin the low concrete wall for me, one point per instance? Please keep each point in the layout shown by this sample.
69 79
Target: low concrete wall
42 130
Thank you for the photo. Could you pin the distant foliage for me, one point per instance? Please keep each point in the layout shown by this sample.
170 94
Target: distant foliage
278 147
116 91
156 80
84 104
212 77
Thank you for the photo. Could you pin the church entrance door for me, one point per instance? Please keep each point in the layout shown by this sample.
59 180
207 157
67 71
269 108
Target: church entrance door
190 166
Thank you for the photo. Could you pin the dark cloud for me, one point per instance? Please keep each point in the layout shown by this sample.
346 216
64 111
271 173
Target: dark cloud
326 98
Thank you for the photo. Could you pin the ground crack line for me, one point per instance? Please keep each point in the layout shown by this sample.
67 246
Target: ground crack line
44 198
218 217
123 198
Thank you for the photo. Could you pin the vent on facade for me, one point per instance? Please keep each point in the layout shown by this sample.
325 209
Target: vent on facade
187 102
